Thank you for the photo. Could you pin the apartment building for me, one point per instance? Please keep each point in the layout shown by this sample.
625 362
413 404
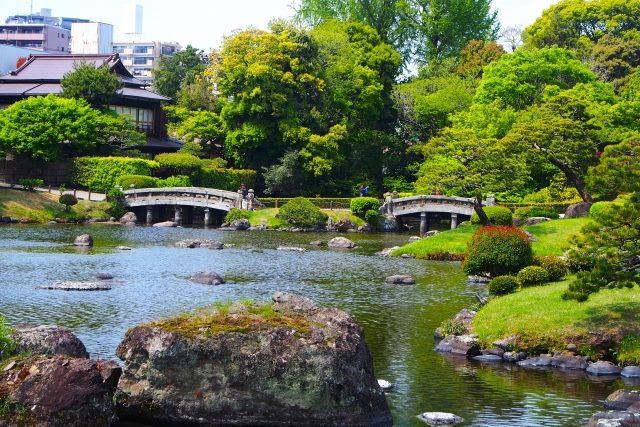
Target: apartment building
141 57
42 37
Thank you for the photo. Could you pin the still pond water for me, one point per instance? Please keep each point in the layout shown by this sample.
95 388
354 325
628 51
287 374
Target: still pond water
398 320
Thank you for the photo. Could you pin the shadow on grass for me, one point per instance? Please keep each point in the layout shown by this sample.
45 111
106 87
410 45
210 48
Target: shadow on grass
621 316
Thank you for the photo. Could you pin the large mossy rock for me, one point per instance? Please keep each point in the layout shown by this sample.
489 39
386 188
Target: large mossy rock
48 340
286 362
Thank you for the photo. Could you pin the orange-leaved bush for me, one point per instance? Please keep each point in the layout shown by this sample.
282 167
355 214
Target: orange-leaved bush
498 251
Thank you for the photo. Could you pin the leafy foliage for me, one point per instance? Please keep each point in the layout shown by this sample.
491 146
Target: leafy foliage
453 327
300 212
180 163
100 173
535 211
179 69
498 215
498 251
224 179
30 183
96 85
532 275
138 181
235 214
174 181
556 267
502 285
360 205
7 345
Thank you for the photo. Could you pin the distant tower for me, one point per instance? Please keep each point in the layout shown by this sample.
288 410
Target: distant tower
132 21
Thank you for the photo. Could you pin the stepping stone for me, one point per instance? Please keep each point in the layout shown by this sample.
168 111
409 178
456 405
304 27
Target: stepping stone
440 418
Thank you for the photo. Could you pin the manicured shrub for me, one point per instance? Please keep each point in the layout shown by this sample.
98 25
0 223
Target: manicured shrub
224 179
302 213
235 214
30 183
174 181
372 217
498 250
555 267
67 200
100 173
600 208
360 205
535 211
139 181
503 285
498 215
532 275
179 163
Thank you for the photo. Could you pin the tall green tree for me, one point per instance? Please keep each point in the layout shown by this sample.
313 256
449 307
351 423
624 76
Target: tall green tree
45 128
179 69
96 85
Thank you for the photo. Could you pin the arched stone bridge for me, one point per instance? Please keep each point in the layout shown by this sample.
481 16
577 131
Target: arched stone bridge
180 197
427 206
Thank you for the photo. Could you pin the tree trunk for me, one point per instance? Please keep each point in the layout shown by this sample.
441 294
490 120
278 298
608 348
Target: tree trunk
477 206
573 178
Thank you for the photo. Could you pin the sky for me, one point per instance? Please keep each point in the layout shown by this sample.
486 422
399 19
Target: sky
204 23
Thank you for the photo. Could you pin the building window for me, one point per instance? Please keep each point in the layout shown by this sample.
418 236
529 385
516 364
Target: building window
141 118
140 49
140 61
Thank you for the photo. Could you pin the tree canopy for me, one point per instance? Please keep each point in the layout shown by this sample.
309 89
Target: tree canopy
180 69
96 85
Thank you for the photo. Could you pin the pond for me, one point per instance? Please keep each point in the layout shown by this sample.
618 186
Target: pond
153 282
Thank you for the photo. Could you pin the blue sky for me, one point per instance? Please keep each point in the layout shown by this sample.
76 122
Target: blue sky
203 23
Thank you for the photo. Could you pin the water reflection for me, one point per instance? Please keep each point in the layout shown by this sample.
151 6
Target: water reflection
398 320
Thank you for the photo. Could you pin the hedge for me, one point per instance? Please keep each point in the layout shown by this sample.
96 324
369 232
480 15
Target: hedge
179 163
498 215
360 205
100 173
224 179
139 181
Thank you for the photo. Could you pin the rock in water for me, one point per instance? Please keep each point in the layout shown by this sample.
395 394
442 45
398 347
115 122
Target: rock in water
101 275
267 364
129 218
83 240
400 279
440 418
48 340
341 242
385 385
207 278
57 391
166 224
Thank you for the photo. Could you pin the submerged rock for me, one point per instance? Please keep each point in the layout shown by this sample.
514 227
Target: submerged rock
290 249
48 340
282 363
534 362
387 251
385 385
440 418
166 224
603 368
200 243
77 286
58 391
101 275
400 279
492 358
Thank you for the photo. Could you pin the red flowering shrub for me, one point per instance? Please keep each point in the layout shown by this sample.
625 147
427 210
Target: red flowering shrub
498 251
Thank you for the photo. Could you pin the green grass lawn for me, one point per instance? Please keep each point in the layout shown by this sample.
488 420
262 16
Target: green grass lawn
552 238
43 207
541 318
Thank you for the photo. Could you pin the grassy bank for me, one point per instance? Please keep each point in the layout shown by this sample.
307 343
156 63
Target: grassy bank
42 207
543 321
268 217
552 238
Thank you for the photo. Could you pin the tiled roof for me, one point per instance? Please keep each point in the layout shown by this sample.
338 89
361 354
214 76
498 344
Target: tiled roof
130 92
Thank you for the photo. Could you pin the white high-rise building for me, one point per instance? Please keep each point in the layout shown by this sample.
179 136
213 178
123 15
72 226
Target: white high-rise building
91 38
131 21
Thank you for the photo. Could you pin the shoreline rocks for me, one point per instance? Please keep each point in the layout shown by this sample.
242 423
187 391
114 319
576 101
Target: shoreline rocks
48 340
200 243
302 365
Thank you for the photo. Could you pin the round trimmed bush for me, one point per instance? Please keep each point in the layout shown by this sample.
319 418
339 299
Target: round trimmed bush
555 266
498 250
503 285
372 217
235 214
302 213
532 275
498 215
68 200
600 208
360 205
139 181
535 211
180 163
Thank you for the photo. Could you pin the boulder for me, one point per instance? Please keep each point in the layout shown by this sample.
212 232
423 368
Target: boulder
344 225
534 362
630 372
603 368
77 286
241 224
568 361
431 233
48 340
440 419
621 399
316 243
577 210
514 356
341 242
536 220
129 218
400 279
101 275
207 278
506 343
58 391
465 317
297 366
166 224
615 419
465 345
83 240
